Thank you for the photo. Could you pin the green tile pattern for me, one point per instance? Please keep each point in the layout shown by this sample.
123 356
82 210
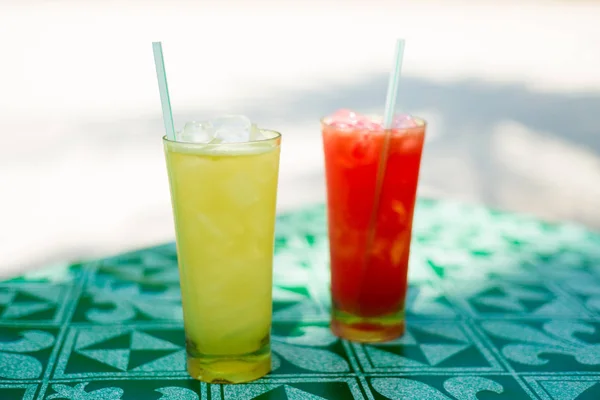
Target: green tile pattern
500 306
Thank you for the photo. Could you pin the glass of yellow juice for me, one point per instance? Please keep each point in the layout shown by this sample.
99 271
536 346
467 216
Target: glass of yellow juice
223 197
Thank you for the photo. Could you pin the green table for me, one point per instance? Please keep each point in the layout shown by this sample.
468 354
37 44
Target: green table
500 306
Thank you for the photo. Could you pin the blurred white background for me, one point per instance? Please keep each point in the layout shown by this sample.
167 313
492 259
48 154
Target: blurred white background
511 90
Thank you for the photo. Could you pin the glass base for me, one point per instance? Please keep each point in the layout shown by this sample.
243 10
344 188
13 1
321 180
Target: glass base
230 369
367 330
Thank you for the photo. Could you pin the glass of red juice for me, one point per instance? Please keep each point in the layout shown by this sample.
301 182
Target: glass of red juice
372 177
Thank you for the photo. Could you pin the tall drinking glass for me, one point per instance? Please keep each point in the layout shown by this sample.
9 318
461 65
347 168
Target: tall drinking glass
370 224
223 198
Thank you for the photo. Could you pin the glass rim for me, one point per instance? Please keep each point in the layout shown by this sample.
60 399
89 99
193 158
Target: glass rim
276 136
378 116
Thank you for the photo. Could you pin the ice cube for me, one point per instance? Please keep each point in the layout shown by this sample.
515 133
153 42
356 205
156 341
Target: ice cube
404 121
347 116
232 129
342 119
350 119
367 124
196 132
256 134
226 129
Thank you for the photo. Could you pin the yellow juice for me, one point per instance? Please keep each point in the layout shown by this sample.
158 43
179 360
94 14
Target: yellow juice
224 198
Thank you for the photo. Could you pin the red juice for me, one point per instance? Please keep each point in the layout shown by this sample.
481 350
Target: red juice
370 224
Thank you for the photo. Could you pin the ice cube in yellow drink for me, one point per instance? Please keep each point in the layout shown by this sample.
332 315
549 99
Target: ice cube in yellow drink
224 198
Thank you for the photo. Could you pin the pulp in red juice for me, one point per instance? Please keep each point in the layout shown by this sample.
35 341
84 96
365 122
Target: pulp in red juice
369 270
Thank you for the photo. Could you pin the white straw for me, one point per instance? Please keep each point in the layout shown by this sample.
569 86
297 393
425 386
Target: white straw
388 120
163 88
392 92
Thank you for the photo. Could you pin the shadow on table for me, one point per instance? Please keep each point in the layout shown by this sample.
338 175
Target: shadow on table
461 159
503 145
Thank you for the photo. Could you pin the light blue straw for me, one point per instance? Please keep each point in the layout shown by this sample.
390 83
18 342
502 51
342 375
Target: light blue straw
388 120
392 92
163 88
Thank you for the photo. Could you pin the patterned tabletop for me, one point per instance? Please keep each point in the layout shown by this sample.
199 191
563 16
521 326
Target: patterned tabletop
500 306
